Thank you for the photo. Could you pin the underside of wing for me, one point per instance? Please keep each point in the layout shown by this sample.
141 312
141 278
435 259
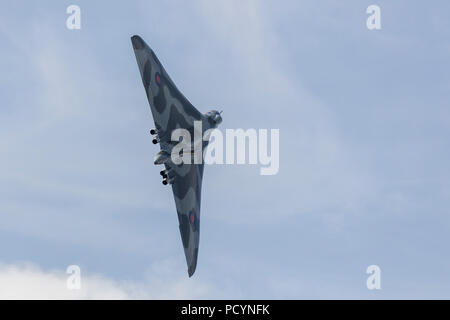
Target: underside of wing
187 194
170 108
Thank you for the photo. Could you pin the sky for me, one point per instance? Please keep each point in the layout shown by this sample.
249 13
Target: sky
364 122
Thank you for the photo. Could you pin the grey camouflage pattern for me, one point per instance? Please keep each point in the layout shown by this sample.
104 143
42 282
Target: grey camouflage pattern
171 110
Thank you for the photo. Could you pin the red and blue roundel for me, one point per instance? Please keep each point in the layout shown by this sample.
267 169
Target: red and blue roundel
158 78
191 217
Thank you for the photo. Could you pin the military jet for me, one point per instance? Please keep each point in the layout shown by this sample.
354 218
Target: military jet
171 110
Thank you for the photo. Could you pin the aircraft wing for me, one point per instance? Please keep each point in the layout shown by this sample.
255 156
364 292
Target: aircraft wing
171 110
187 193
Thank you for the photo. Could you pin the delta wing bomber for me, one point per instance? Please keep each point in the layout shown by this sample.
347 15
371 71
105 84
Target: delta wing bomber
171 110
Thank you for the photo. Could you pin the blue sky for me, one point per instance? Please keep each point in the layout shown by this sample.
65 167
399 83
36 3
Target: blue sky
364 149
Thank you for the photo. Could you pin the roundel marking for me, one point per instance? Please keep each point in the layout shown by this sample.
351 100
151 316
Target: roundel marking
191 217
158 78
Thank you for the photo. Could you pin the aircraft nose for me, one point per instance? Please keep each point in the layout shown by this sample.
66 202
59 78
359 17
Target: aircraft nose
218 119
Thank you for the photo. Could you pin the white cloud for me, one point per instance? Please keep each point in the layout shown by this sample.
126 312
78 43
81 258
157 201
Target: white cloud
28 281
